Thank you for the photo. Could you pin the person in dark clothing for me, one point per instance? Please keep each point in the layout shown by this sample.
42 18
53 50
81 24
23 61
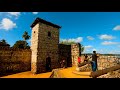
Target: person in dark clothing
94 61
86 58
63 63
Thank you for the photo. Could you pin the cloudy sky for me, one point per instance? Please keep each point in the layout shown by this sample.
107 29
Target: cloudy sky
98 31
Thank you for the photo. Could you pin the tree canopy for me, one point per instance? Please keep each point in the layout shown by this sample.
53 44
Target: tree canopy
3 43
72 42
21 45
25 36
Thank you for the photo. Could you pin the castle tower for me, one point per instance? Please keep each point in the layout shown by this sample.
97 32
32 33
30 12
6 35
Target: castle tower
44 46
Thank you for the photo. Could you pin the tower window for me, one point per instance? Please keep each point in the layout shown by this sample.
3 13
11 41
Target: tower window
34 31
49 34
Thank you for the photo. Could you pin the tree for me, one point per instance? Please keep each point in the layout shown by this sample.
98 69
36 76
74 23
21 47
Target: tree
25 36
82 48
3 41
21 45
67 42
72 42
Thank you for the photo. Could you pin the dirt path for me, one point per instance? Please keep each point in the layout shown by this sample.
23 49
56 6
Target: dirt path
28 74
69 73
66 73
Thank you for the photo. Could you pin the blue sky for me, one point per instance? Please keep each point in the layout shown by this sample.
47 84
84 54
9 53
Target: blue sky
98 31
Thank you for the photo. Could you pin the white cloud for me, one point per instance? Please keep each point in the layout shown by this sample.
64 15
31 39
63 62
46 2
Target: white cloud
7 24
116 28
77 40
113 52
88 47
14 13
90 38
94 49
35 12
109 43
106 37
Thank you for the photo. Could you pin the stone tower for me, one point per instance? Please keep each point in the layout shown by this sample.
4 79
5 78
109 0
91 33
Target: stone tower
44 46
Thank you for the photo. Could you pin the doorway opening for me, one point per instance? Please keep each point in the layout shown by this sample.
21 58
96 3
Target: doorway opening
48 64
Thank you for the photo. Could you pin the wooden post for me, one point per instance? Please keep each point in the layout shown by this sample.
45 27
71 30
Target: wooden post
104 71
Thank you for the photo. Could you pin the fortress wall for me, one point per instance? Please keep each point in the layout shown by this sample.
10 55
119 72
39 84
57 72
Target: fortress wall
14 60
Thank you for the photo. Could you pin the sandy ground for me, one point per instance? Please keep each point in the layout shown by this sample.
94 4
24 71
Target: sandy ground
70 73
67 73
28 74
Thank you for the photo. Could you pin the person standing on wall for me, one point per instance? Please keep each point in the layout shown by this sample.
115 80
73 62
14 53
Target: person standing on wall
94 61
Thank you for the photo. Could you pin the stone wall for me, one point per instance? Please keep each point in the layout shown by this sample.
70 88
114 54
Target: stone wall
65 54
14 60
75 53
70 53
107 61
112 74
103 62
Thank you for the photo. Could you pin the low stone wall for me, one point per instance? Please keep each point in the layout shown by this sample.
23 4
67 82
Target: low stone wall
107 62
103 63
112 74
85 68
14 60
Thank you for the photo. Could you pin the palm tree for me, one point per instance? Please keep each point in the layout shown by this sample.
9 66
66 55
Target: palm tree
82 48
26 37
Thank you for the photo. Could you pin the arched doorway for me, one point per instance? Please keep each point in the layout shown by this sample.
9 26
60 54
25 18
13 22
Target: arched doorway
48 64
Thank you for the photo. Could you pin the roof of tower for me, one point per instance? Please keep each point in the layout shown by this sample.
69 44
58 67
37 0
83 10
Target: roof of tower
37 20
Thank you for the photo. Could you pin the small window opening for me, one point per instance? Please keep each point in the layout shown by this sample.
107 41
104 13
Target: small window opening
49 34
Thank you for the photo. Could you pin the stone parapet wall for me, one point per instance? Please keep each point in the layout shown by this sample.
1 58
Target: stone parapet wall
85 68
107 62
103 62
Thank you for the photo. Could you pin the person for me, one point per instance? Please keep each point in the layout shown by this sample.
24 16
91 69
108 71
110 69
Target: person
63 63
94 61
79 60
86 58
